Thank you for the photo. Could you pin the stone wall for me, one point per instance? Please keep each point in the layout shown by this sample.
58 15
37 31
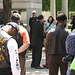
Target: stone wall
28 5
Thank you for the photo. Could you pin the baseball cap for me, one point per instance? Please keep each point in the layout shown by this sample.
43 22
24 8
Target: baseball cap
16 16
33 11
14 25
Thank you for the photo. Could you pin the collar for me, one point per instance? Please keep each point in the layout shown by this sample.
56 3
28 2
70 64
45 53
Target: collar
61 26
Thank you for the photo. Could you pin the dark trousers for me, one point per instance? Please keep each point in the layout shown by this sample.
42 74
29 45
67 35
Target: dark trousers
5 72
22 65
72 72
55 61
36 56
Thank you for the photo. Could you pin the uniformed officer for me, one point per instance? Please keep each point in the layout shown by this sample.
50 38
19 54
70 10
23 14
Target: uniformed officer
9 61
32 20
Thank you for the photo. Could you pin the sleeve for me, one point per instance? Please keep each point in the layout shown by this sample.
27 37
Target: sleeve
25 36
70 46
53 22
45 24
30 22
14 59
40 30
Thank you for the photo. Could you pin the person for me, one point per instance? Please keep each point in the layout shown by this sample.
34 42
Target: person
48 25
70 49
1 18
72 68
73 23
32 20
9 60
22 40
55 44
37 42
21 22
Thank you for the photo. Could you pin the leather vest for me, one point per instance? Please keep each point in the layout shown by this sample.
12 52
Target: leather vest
57 41
4 55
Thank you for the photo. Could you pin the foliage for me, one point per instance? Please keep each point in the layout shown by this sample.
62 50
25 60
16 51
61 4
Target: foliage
71 5
58 5
45 5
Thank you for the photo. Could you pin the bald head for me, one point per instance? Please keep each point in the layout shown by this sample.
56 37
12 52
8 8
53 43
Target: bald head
11 28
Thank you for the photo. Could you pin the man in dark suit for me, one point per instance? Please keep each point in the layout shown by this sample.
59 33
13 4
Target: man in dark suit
37 42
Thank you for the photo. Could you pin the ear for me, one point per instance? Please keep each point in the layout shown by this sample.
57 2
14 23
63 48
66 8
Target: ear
14 30
65 20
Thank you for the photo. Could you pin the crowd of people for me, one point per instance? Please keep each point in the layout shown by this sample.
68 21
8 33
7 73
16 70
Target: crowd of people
58 41
14 40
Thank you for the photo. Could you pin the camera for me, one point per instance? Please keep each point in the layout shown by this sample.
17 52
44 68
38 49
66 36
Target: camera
67 58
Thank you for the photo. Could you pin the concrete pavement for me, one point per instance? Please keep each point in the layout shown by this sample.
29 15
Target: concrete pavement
33 71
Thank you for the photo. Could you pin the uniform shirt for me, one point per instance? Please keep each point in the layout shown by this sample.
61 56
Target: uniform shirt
32 20
49 27
13 55
24 34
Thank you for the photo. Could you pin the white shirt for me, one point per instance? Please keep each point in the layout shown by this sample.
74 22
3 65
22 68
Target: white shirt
13 54
14 59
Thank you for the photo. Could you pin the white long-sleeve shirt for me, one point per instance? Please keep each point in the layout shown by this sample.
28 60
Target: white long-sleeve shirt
13 54
14 59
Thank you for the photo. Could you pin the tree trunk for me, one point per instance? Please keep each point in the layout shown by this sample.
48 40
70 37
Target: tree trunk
7 7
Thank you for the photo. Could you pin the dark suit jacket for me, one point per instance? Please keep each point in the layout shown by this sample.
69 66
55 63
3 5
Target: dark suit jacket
55 41
37 34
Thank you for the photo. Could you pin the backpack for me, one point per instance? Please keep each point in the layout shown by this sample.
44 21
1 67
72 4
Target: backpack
19 40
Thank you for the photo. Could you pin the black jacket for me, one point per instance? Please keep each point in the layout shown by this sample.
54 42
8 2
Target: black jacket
32 20
37 34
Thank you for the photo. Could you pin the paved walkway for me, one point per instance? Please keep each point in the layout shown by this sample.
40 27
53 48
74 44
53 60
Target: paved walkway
33 71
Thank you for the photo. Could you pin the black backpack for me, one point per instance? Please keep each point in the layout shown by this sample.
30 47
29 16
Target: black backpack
19 40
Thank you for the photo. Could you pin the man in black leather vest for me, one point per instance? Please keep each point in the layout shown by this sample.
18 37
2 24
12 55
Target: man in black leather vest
9 60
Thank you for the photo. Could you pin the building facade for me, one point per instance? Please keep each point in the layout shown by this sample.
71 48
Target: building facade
25 8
